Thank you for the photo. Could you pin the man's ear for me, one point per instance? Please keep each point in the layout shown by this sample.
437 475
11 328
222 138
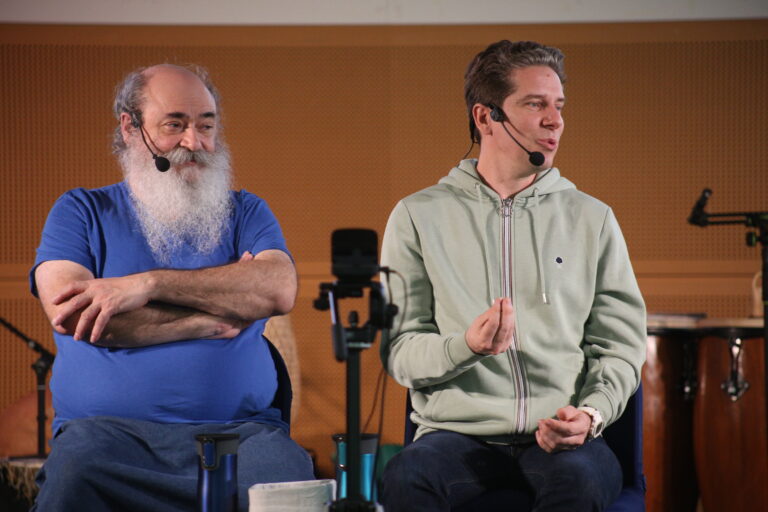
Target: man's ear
127 126
481 115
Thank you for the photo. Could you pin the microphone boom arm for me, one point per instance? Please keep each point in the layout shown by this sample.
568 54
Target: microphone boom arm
699 217
40 367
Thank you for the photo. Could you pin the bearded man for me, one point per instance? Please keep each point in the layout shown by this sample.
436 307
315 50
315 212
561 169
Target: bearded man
158 289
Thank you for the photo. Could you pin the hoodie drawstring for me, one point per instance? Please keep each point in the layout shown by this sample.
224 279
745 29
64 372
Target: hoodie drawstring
537 249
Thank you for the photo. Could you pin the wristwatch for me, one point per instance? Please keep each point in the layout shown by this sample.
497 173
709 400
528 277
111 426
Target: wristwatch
596 427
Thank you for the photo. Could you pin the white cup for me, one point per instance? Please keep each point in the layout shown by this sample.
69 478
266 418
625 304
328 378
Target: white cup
302 496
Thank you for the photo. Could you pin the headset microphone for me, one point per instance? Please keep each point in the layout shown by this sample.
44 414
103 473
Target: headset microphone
536 158
162 163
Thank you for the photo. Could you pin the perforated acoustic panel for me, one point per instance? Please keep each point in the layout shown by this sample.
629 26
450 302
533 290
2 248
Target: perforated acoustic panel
332 125
655 124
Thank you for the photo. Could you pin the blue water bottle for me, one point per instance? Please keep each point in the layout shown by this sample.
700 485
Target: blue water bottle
368 447
217 473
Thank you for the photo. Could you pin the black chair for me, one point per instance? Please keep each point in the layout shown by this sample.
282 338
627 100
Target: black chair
624 436
284 394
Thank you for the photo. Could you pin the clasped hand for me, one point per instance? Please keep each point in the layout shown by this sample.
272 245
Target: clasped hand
98 300
567 431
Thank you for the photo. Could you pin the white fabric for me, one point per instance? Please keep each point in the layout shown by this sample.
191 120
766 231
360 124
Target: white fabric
304 496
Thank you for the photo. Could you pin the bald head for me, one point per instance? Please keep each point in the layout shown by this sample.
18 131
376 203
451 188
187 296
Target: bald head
168 79
158 83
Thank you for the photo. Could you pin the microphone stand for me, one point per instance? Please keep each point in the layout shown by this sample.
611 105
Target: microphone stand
40 367
348 342
759 221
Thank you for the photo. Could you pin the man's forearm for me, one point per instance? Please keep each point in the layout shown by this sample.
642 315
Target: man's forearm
158 323
245 291
255 287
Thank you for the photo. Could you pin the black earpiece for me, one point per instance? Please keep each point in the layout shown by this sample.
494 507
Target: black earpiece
496 113
161 163
535 157
135 120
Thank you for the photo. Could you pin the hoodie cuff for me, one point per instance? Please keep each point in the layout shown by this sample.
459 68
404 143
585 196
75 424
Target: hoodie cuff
600 402
459 352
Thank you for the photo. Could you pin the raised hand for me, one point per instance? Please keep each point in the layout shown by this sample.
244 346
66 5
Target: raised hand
491 332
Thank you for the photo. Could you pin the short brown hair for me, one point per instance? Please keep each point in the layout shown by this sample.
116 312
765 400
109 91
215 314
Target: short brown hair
489 75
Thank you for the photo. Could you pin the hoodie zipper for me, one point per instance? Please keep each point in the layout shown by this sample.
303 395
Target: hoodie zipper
507 212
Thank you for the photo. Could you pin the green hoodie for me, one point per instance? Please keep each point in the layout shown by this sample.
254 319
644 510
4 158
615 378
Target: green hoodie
560 256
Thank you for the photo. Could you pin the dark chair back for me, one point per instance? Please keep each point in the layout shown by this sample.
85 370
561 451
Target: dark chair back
624 436
284 393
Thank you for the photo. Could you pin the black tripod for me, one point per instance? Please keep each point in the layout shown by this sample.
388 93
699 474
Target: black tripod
756 220
41 367
348 342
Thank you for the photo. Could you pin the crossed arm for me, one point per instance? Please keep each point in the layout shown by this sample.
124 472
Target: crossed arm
161 306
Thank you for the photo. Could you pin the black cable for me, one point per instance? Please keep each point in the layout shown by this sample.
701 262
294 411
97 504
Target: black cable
383 397
469 150
375 400
382 378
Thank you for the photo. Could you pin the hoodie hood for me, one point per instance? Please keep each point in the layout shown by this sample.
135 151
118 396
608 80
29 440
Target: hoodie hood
466 178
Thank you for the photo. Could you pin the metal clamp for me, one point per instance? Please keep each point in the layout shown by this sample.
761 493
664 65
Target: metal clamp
735 386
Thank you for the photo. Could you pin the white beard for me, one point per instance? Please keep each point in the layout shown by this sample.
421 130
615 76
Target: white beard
183 205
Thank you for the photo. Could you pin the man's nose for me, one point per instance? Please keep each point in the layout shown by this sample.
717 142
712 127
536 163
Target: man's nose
554 118
190 139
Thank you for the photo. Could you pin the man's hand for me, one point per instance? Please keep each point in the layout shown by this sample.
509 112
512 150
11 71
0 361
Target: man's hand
98 300
567 432
491 333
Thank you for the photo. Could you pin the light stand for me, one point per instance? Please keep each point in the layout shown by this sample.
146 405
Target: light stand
41 367
759 221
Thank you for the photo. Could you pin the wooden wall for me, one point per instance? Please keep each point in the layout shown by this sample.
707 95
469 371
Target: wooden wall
332 125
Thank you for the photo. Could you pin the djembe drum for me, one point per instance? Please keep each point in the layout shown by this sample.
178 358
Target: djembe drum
730 435
17 483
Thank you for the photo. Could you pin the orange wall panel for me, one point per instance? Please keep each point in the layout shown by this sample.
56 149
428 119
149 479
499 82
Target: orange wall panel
332 125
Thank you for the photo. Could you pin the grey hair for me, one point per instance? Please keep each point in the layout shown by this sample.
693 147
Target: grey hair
129 98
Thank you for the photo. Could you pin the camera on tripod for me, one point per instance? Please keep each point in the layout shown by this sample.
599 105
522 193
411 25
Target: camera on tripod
354 262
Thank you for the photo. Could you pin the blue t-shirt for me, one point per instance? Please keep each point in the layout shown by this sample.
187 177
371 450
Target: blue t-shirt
189 381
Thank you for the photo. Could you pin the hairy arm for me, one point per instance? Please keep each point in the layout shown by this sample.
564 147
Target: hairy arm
255 287
150 323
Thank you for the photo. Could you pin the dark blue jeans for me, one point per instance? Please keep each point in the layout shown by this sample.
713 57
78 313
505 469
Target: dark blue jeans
442 470
115 464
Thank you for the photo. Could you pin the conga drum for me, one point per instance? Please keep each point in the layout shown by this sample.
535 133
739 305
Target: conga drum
669 388
730 435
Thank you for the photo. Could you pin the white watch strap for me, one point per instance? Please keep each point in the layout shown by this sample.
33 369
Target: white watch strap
596 426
